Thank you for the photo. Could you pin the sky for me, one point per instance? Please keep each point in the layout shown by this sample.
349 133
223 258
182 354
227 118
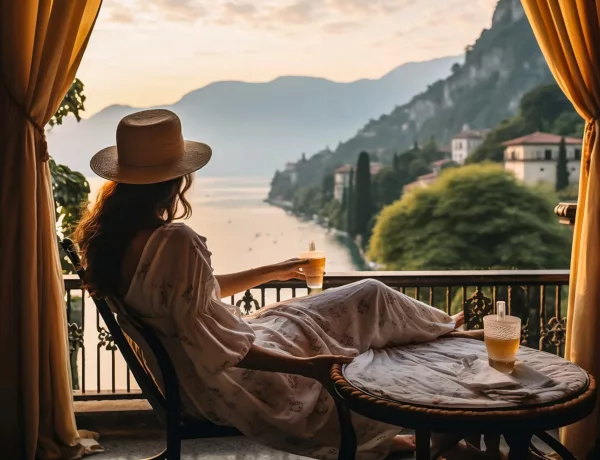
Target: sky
151 52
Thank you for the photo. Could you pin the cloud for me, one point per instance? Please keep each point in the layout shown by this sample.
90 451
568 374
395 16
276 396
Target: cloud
179 10
299 12
333 16
170 10
362 7
270 16
341 27
239 9
120 15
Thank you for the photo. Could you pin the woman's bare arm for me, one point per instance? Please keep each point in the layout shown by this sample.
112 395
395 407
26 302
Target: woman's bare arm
233 283
317 367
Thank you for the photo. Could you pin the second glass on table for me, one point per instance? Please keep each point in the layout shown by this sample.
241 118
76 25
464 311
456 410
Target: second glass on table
315 268
502 334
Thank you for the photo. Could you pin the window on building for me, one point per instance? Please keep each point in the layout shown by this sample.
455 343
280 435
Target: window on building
541 169
459 145
548 154
513 155
578 154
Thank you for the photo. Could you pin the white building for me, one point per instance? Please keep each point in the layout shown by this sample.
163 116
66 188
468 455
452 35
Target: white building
341 178
465 143
532 158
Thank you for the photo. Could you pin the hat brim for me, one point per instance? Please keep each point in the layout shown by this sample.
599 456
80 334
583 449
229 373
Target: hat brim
105 164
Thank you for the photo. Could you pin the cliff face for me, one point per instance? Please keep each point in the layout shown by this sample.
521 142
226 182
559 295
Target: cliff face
504 63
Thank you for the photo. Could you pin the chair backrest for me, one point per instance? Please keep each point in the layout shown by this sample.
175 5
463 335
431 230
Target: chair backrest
165 402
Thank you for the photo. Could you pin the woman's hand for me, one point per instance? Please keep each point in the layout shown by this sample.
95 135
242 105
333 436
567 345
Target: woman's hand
233 283
319 367
289 269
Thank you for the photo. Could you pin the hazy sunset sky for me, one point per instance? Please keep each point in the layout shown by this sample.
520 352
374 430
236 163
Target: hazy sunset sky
148 52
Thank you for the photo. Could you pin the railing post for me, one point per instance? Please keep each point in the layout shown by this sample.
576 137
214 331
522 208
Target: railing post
566 212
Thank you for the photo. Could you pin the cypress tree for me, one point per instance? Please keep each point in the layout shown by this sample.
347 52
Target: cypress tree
350 206
562 171
396 162
363 202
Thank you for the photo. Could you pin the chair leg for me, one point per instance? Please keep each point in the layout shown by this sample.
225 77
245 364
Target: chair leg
423 438
519 446
556 446
173 444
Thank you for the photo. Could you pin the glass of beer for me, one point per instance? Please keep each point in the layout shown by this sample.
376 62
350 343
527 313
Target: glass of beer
315 268
502 334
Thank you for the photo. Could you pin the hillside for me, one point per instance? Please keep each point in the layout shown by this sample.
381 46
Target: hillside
255 127
503 64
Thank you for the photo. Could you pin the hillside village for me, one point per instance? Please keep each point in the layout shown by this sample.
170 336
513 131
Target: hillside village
500 107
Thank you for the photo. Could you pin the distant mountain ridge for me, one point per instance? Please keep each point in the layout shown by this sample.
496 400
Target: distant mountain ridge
255 127
503 64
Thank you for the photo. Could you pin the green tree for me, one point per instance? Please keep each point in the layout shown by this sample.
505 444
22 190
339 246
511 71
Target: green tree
569 123
562 170
541 106
307 201
431 151
334 214
70 188
396 162
72 103
474 217
350 217
545 108
363 203
327 185
281 186
387 187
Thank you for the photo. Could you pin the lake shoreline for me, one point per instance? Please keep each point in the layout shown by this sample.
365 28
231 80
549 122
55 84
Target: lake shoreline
359 259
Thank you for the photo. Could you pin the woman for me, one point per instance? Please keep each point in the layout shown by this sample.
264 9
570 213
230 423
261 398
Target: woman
132 248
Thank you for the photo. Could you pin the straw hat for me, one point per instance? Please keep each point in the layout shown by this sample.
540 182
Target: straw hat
150 149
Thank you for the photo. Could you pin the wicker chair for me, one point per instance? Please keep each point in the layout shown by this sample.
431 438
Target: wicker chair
165 401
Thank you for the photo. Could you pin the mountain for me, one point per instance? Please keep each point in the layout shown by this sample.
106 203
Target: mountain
255 127
503 64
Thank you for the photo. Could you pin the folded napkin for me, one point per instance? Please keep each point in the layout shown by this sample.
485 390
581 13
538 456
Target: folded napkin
522 384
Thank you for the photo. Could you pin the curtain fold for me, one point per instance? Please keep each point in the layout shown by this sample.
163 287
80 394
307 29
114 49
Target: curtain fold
568 33
41 45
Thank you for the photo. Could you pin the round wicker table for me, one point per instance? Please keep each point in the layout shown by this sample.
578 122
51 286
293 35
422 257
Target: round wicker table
517 423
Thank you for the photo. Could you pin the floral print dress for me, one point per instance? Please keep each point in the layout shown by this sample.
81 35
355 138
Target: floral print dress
175 292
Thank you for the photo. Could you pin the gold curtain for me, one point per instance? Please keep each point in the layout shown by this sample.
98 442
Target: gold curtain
41 45
568 32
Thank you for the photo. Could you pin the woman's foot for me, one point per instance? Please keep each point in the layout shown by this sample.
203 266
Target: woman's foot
476 334
459 319
403 444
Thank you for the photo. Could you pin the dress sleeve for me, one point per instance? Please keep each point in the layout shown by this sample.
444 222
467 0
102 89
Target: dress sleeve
212 336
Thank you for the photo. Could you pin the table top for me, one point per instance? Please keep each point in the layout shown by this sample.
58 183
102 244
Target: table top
417 384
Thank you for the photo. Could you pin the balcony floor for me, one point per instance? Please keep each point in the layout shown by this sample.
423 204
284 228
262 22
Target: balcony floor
129 431
234 448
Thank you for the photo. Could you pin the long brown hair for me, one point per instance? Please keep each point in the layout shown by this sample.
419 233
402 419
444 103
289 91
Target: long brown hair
121 211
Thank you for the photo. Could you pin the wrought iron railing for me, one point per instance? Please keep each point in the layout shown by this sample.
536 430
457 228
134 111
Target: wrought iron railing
538 297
